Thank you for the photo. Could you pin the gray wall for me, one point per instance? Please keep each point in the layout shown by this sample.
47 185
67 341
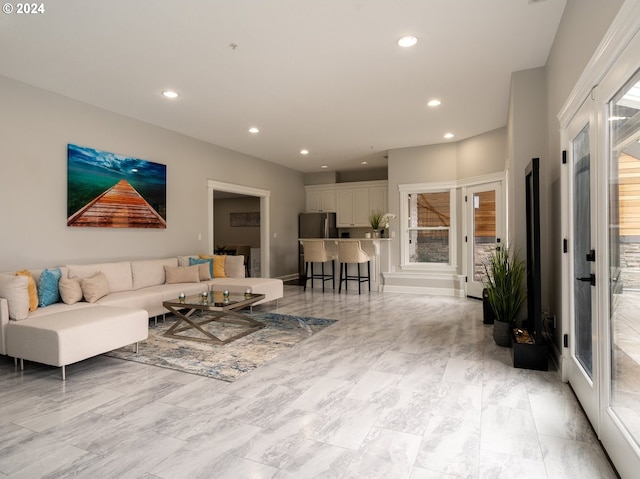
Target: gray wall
481 155
528 133
533 131
36 126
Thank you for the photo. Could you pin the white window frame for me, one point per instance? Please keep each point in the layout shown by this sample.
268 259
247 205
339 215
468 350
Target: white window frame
405 191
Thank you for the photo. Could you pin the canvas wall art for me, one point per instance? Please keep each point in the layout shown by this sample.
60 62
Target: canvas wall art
244 219
113 191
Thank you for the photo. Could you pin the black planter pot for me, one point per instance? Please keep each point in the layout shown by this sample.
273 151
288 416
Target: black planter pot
502 333
529 356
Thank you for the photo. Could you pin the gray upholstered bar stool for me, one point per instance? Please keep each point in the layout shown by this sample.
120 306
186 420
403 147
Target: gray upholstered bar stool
352 252
315 252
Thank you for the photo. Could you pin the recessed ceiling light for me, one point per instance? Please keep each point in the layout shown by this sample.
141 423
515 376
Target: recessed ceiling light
434 102
304 152
254 130
364 162
448 136
324 166
407 41
170 94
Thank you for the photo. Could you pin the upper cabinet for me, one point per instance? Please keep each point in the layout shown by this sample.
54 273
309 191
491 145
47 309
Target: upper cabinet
321 200
353 202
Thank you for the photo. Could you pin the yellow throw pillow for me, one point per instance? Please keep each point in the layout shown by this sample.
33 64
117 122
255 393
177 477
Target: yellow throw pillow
32 289
218 264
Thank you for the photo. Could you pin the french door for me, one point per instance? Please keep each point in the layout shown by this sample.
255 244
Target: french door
620 396
601 358
483 232
583 366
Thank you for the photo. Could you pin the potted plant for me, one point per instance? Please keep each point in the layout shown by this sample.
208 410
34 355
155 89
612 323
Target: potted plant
375 218
505 290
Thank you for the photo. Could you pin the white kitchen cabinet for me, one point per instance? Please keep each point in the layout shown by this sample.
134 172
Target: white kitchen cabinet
321 200
353 207
344 207
361 208
353 202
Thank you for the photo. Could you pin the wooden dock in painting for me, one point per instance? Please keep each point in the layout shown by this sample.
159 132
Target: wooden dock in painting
121 206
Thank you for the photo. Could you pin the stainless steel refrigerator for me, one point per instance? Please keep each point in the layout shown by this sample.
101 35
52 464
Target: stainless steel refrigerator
314 225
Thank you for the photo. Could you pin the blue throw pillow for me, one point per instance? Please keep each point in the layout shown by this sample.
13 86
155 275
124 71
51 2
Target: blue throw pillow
193 261
48 292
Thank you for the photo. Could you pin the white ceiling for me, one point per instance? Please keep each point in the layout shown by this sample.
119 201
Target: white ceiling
325 75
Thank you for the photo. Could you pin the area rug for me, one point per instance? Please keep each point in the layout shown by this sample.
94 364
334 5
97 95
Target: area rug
225 362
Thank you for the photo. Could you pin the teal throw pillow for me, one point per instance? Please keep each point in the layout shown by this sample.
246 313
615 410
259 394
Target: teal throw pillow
48 292
193 261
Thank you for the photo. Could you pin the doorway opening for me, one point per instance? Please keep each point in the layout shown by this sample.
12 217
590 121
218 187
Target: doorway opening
221 190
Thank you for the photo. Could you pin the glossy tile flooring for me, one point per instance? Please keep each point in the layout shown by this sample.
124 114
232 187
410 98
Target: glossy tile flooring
403 386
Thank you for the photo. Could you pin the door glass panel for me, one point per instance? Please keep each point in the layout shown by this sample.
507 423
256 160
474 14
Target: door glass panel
484 231
581 247
624 254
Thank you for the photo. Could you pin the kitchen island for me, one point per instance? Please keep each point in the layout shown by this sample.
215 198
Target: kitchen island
379 249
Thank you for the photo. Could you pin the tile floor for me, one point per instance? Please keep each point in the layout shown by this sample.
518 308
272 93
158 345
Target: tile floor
403 386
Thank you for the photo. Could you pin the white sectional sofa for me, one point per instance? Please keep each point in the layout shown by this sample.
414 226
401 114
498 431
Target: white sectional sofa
123 296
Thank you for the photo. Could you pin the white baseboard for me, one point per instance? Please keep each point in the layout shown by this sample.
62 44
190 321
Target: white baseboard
456 293
289 277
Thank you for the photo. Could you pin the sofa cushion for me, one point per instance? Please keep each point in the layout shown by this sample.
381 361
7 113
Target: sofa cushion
205 267
32 289
48 289
58 308
272 288
234 267
118 274
150 272
95 287
76 334
147 299
171 291
15 289
70 290
182 274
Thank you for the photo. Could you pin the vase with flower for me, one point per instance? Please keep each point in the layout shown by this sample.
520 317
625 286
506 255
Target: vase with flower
380 222
375 219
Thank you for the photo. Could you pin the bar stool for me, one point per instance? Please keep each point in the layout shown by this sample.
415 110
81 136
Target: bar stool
315 252
352 252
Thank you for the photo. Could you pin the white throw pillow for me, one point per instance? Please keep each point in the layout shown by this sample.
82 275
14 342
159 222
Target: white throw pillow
15 289
70 290
182 274
95 287
234 266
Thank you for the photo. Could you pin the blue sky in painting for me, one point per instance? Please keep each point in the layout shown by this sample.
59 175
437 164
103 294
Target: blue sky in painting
118 165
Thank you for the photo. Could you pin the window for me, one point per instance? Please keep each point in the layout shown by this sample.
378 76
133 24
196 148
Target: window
428 237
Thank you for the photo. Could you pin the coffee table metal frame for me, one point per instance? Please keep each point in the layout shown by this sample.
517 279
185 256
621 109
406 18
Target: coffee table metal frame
223 312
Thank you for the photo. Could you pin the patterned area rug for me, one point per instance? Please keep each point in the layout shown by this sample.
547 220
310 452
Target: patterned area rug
226 362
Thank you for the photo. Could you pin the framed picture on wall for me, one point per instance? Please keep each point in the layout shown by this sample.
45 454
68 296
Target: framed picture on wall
114 191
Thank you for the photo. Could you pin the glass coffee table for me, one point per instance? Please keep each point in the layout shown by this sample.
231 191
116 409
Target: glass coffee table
220 310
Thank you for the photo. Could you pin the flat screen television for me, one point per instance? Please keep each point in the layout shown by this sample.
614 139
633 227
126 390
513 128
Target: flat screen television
534 280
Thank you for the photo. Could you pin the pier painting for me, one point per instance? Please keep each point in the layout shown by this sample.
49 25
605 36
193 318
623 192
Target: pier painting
114 191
